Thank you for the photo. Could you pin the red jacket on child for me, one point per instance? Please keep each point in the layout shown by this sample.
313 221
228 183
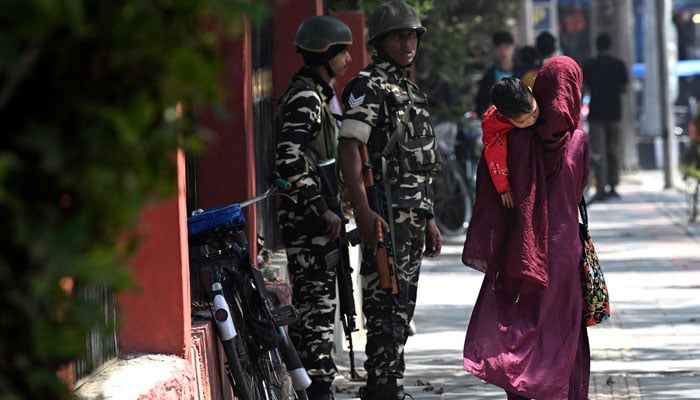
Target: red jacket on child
493 134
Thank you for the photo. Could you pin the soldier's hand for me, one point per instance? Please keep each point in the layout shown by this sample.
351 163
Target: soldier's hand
508 199
433 239
367 225
332 223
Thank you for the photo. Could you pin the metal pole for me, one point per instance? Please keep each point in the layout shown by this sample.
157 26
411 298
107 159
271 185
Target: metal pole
670 159
525 31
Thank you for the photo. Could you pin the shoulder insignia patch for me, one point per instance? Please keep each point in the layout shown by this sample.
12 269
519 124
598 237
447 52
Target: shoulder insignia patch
354 102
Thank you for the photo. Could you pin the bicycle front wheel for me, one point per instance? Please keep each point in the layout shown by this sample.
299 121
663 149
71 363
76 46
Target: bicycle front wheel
274 376
453 201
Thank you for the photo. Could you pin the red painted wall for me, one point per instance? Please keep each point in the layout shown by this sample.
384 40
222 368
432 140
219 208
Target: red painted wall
286 61
157 318
224 171
287 16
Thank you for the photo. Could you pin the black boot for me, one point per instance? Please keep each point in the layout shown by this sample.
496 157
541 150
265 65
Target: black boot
320 390
386 391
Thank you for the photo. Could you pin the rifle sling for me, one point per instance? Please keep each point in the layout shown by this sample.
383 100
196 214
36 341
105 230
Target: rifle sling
395 137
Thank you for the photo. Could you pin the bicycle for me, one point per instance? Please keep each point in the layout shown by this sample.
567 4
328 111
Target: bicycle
455 185
261 361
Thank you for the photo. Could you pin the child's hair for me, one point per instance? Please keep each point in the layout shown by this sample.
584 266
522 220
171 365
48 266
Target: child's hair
511 97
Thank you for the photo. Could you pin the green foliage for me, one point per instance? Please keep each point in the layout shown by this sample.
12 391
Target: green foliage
88 130
455 49
690 160
368 6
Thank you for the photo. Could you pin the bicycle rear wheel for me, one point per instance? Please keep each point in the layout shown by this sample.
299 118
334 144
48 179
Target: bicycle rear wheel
453 201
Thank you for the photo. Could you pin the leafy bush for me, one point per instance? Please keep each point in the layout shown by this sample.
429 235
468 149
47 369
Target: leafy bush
89 125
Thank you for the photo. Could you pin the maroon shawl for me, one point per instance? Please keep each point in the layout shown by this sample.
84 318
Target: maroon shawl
513 242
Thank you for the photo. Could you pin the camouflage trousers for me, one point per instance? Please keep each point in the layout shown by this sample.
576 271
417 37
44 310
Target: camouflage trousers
388 316
313 291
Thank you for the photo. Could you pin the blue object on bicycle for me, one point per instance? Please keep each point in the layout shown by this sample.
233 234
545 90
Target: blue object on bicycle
220 216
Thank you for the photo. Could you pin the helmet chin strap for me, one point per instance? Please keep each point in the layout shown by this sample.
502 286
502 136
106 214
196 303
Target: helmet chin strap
385 56
327 66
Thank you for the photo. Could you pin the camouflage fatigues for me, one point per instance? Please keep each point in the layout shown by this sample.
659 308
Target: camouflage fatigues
376 102
306 134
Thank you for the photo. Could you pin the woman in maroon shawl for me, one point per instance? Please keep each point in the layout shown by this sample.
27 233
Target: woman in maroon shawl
526 333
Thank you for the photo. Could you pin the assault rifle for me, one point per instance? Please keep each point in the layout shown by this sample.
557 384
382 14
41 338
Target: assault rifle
386 266
340 258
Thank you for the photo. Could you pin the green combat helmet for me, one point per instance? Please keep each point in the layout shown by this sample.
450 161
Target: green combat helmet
318 34
394 16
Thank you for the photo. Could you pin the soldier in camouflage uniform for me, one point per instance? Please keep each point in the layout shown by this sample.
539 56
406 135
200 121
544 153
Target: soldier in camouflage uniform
377 102
307 133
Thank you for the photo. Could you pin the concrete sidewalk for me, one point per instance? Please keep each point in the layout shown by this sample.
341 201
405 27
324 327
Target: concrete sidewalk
649 350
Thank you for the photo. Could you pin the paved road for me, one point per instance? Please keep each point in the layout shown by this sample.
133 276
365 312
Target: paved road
649 350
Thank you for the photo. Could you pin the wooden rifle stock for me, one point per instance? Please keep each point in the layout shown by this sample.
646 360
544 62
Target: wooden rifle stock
385 263
386 267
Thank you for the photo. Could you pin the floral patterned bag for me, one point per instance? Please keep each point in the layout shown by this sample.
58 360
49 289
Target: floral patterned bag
596 303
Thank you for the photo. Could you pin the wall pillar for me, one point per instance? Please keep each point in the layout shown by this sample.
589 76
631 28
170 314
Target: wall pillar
156 317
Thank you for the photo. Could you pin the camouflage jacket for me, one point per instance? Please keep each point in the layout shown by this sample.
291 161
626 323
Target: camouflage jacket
377 101
306 133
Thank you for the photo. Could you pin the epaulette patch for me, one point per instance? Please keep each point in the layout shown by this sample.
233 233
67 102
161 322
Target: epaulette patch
355 101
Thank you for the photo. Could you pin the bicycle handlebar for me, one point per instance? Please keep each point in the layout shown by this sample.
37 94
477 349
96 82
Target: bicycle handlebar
202 221
281 183
277 184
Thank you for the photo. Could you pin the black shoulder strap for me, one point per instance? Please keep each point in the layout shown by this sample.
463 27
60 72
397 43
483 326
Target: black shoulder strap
583 212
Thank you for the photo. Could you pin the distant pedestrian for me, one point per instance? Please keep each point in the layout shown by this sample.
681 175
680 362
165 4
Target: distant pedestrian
545 48
605 77
546 45
503 50
526 332
528 63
